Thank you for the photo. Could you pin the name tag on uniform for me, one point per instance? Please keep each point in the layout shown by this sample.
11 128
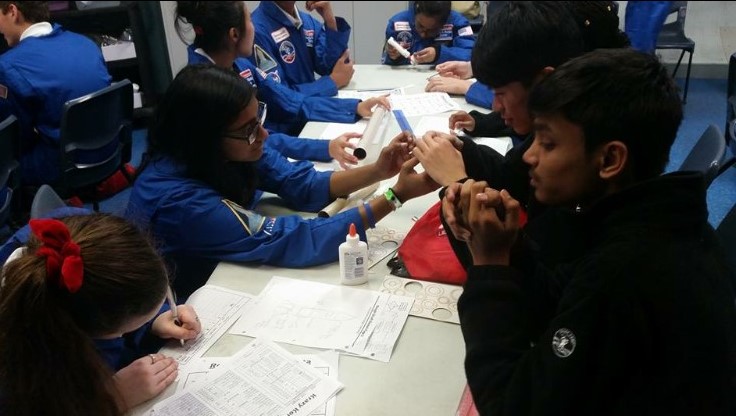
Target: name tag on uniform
445 33
280 35
466 31
399 26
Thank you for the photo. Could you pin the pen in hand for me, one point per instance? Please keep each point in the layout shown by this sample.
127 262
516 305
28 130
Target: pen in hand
172 305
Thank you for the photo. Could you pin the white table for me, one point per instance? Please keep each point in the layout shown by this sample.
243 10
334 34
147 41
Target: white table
425 375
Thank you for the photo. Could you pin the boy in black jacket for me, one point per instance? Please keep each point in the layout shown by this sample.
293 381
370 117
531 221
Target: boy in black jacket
644 321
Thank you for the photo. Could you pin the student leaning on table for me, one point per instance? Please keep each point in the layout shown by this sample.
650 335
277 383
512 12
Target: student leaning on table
224 36
431 32
642 321
207 167
522 43
81 307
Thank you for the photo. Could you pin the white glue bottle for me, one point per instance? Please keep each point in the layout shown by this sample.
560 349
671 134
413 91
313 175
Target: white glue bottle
353 259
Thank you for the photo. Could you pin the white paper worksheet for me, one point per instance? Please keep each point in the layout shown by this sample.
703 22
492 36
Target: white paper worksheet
357 321
262 379
217 308
423 104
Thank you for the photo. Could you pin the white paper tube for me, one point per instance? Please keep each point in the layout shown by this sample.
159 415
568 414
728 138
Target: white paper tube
371 142
391 41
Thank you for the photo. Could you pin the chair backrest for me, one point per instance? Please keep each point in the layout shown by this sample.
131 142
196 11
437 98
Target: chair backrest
45 201
678 25
707 155
9 176
96 135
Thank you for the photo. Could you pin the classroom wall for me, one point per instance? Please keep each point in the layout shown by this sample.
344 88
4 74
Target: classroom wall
712 25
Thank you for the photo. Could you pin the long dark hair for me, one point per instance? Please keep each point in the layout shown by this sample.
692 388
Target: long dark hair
211 21
48 361
199 105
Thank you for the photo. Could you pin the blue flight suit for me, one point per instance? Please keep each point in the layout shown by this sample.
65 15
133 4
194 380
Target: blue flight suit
288 109
480 94
37 76
644 20
292 56
455 41
197 228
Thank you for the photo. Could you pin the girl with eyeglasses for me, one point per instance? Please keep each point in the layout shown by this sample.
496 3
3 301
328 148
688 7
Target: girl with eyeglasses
207 167
223 35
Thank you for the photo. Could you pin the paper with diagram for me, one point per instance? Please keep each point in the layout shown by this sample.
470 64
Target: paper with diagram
262 379
424 103
358 321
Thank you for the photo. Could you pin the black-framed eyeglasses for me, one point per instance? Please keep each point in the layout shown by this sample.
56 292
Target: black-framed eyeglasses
250 131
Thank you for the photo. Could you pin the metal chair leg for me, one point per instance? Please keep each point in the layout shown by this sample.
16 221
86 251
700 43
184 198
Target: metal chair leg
687 77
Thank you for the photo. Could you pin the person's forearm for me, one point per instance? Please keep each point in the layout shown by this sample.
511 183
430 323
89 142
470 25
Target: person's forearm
344 182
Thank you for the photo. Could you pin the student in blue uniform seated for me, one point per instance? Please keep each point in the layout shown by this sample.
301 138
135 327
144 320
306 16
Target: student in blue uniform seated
431 32
642 321
208 166
291 46
82 314
45 67
224 36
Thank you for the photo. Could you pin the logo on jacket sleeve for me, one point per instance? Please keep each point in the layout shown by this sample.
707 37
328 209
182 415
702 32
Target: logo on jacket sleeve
563 343
248 76
252 222
287 52
309 37
466 31
264 61
445 33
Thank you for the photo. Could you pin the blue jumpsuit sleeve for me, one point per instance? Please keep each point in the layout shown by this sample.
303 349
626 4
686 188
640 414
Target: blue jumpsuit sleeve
330 46
644 20
462 41
221 230
16 86
480 94
385 59
323 87
287 103
297 183
298 148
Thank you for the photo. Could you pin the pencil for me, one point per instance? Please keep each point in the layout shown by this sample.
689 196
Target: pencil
172 305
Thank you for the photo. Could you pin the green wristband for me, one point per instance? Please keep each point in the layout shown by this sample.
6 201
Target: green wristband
392 199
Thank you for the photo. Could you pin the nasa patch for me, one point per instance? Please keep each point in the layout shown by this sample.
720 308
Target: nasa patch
445 33
287 52
405 39
563 343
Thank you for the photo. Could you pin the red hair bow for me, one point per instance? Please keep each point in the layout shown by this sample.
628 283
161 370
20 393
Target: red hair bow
63 260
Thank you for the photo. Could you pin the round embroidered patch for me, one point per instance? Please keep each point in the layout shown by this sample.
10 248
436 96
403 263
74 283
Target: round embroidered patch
287 52
405 39
563 343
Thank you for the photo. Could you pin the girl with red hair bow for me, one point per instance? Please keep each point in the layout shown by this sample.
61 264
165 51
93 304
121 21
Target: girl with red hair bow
79 308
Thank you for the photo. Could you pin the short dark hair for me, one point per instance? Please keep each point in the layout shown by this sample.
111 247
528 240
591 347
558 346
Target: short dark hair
33 11
616 94
190 121
523 38
211 21
439 10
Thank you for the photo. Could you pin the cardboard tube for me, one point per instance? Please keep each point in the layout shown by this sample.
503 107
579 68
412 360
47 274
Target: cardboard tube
371 142
343 204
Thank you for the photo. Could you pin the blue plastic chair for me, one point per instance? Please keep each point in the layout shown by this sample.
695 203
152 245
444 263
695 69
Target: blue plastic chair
708 155
9 172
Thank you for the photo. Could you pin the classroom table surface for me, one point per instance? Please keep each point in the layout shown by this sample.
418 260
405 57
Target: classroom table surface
425 375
